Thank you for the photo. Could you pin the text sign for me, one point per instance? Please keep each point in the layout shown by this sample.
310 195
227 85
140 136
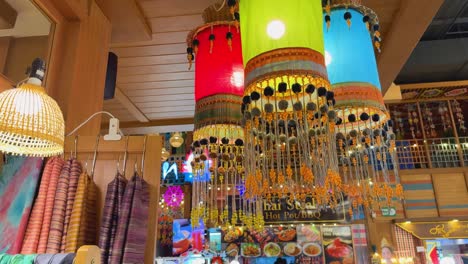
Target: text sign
450 229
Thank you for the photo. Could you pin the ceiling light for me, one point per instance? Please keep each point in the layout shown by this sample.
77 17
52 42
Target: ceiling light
176 140
276 29
32 123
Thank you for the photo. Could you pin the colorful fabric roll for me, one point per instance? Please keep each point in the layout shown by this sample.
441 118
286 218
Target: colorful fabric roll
130 240
110 216
18 182
5 258
82 227
75 172
58 213
33 231
49 205
22 259
55 259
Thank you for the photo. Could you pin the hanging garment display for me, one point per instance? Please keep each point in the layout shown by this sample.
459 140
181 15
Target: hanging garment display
49 206
110 216
55 259
18 182
33 231
82 227
58 213
130 239
75 172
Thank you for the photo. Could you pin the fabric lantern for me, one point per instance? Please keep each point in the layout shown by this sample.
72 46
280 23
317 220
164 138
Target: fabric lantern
365 137
289 120
218 135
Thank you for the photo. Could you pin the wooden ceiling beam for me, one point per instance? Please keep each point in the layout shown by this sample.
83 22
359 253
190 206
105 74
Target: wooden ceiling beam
408 26
130 106
8 15
129 23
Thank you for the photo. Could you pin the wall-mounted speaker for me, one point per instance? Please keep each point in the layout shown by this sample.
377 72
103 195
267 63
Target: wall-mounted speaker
111 76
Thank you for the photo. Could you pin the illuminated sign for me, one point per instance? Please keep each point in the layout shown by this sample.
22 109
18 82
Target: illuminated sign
167 169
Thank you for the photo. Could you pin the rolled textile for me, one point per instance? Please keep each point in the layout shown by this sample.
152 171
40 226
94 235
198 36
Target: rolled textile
58 213
18 181
75 173
82 227
130 240
22 259
49 205
33 231
110 216
55 258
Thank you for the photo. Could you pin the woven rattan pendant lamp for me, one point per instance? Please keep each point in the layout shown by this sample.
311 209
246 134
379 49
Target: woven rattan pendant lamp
31 122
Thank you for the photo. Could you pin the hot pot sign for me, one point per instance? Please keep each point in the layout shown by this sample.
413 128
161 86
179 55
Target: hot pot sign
281 210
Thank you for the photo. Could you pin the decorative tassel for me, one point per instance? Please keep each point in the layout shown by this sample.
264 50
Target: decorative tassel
237 21
366 20
195 44
190 57
377 44
229 40
327 20
211 38
347 17
232 6
328 8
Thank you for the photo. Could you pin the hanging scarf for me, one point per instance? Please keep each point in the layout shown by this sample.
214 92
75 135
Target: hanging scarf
75 172
130 241
82 226
58 213
110 216
18 182
33 231
55 259
49 205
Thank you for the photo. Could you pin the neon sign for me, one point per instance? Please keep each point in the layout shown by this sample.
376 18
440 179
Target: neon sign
167 168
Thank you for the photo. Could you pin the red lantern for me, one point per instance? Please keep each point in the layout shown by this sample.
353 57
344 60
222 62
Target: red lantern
218 62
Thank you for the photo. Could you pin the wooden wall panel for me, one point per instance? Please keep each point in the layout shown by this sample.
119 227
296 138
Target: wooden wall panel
452 193
4 46
419 196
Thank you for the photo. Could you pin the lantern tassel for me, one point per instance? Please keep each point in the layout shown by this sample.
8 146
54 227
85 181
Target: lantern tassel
229 40
190 57
212 38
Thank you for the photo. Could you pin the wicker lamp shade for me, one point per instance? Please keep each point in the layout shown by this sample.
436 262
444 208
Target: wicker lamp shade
31 122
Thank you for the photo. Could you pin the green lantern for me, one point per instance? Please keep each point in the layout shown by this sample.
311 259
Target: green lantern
267 25
290 149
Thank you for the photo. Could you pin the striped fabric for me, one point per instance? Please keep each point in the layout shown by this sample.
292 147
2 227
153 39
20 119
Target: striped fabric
130 240
49 205
82 227
75 172
33 231
55 259
110 216
18 182
58 213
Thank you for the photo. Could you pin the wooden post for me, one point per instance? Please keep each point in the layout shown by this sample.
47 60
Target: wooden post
77 60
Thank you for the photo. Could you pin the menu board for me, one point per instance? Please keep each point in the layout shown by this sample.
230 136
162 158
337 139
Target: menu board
302 244
338 244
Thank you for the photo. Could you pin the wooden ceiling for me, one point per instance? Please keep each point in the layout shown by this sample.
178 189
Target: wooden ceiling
153 78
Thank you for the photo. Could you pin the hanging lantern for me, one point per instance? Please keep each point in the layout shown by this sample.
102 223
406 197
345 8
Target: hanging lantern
288 109
31 122
173 196
364 133
218 135
164 154
176 140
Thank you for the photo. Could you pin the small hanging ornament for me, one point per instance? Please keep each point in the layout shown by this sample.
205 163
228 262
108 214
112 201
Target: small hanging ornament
327 21
195 44
190 57
217 260
232 7
211 38
366 20
237 21
328 8
377 44
229 40
347 17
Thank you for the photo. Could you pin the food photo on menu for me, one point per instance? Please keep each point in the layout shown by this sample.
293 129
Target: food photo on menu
338 245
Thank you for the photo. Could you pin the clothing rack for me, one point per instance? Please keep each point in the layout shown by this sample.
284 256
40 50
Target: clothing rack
110 156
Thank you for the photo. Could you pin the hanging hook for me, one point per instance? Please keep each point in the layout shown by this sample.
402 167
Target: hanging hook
75 148
118 165
143 155
125 155
95 156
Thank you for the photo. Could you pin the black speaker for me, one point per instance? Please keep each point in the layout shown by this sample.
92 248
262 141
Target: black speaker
111 76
